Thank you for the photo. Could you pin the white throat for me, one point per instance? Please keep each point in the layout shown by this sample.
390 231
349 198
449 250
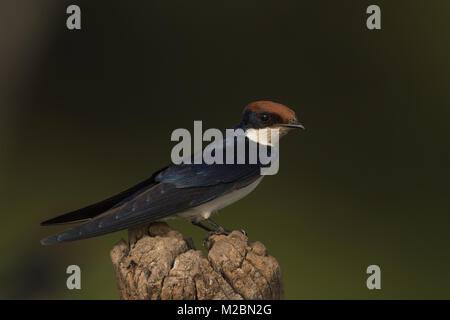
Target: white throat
264 135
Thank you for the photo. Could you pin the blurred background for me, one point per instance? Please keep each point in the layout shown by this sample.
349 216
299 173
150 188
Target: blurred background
85 114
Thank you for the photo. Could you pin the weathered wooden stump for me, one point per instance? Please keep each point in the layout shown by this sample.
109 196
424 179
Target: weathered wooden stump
159 264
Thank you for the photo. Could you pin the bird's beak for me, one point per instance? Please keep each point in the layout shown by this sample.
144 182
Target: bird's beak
293 124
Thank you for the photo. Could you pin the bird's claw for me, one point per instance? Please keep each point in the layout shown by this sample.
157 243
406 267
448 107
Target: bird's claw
205 242
219 231
222 230
243 232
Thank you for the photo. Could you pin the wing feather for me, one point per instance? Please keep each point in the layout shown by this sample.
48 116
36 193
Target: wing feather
158 202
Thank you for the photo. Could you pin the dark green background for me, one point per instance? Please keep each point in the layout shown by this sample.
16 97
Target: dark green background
85 114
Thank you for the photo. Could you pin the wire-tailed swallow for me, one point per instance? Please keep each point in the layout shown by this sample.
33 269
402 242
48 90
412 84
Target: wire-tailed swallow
189 191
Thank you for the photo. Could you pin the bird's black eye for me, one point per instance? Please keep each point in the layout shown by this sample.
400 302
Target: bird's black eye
264 117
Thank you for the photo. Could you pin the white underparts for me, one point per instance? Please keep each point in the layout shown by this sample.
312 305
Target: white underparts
205 210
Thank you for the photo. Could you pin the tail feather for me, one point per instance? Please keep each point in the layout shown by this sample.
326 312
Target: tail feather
98 208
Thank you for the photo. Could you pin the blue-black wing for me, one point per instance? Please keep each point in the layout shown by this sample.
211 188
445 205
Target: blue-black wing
98 208
174 189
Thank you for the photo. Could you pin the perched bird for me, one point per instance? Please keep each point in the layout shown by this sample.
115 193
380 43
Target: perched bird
189 191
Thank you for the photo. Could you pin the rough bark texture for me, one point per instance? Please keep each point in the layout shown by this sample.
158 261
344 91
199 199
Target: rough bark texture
159 264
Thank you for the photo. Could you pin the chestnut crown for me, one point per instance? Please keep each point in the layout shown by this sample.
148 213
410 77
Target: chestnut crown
265 114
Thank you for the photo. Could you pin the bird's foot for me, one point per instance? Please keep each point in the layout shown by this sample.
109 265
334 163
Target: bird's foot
222 230
243 232
206 243
218 231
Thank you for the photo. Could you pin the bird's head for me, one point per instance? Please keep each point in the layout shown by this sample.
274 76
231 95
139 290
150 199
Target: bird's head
269 115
